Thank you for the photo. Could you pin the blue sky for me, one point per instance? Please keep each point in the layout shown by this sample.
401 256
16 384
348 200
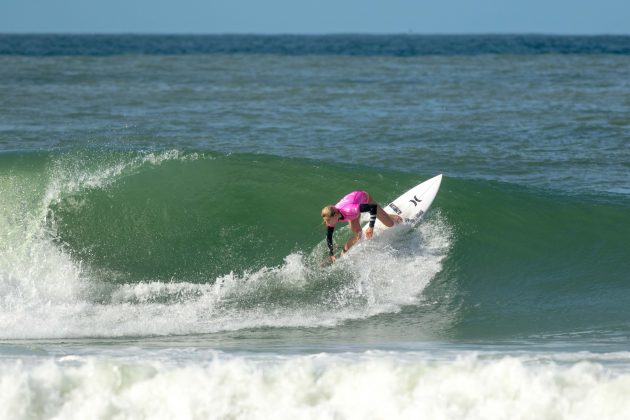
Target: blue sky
316 16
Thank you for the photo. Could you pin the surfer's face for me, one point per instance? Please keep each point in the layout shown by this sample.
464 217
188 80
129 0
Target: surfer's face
330 215
331 220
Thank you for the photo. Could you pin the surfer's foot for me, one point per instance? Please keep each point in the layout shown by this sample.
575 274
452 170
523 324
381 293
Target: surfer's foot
396 218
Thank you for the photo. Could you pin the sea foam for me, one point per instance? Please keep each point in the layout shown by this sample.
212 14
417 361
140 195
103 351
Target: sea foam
370 385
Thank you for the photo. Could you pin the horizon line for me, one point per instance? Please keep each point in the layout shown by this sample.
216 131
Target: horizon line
314 34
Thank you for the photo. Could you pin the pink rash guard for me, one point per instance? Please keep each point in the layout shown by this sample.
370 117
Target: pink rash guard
348 206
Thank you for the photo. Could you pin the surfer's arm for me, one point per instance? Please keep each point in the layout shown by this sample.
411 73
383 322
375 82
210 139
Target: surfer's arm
329 240
372 208
331 250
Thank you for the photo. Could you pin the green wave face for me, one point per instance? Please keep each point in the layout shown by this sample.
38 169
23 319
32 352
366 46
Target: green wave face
528 260
196 217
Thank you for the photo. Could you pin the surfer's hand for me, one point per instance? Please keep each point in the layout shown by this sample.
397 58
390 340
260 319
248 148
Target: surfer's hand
331 258
369 232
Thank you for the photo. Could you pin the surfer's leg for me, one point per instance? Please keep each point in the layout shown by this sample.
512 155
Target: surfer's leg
387 219
356 228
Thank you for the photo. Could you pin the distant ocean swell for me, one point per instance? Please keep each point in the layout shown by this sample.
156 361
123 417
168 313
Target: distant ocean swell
347 386
354 45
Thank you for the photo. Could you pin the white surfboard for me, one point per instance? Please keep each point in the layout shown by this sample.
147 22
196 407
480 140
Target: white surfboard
413 204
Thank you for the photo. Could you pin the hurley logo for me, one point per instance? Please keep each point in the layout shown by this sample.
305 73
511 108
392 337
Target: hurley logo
415 200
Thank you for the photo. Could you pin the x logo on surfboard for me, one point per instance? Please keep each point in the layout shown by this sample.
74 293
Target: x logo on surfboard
415 200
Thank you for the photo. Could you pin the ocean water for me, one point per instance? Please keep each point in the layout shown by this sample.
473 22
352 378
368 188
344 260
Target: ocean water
160 236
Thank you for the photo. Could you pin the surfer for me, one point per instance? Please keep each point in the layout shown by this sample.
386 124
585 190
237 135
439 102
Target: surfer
348 209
